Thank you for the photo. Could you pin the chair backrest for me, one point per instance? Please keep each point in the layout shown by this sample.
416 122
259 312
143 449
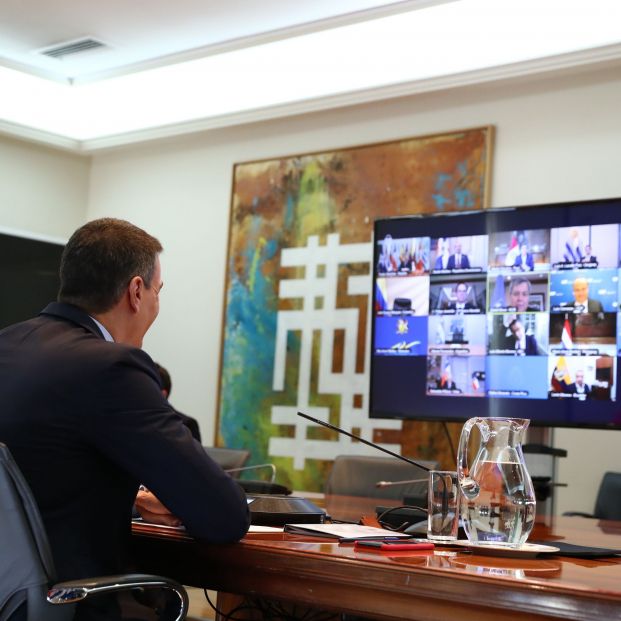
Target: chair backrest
357 475
228 458
26 565
608 503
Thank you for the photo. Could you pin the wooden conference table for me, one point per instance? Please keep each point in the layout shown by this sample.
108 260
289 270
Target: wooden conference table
313 573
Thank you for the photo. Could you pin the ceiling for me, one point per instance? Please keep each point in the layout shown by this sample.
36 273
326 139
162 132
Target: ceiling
172 67
143 33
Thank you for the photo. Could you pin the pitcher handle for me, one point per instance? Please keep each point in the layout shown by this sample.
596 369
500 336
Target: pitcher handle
463 470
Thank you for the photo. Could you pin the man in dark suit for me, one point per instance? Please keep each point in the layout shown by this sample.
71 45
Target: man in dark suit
519 295
460 303
588 257
458 260
523 343
188 421
582 303
579 388
83 414
524 261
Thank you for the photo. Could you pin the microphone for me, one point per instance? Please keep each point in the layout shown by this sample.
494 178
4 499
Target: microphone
372 444
391 483
272 467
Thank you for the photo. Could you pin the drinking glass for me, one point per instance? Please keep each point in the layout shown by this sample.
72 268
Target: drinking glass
443 516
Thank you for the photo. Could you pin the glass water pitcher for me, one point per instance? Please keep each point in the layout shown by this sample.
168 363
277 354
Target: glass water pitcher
497 498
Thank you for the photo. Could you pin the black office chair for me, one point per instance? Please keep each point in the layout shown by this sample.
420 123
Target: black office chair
358 475
234 460
608 502
27 574
227 458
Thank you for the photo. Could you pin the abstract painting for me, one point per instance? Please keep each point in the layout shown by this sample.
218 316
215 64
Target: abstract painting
296 317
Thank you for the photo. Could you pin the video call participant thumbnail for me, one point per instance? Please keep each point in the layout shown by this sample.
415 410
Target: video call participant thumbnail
461 334
455 375
525 334
585 247
592 333
582 291
450 295
524 344
583 302
464 298
400 336
583 377
524 250
403 255
402 295
517 377
516 295
460 254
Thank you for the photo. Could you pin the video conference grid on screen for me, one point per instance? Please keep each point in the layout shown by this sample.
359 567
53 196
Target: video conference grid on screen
515 313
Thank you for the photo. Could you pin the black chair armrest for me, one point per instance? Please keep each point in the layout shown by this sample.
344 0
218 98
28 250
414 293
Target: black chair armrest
76 590
578 514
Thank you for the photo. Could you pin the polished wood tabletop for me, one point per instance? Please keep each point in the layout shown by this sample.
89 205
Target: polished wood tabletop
446 583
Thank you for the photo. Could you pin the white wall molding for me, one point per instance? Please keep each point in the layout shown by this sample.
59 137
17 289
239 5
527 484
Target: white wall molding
591 59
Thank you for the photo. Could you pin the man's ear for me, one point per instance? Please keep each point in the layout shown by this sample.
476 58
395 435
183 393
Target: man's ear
135 291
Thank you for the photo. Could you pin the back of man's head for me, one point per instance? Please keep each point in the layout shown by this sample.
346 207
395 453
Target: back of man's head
99 261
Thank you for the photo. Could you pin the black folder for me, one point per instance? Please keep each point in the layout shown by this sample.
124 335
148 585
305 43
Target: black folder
268 510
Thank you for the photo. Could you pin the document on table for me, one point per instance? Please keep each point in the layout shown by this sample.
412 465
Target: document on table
344 532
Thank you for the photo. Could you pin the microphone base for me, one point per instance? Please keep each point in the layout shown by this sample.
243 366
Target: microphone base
419 500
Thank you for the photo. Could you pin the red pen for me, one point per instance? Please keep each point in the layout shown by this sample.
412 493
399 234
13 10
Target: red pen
394 545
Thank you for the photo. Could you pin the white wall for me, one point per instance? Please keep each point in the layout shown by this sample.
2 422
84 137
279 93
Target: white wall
42 191
557 139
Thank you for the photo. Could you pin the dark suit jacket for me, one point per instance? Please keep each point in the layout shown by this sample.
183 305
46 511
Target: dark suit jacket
531 345
571 388
467 305
465 262
191 424
86 422
529 261
593 306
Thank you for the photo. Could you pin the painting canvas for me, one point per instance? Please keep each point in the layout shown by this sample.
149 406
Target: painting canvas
296 317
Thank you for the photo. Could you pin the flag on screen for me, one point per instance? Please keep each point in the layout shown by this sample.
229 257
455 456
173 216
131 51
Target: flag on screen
514 240
566 335
393 262
445 379
380 296
498 297
560 377
573 253
440 334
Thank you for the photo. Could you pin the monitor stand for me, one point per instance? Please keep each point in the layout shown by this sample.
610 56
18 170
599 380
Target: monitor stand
541 456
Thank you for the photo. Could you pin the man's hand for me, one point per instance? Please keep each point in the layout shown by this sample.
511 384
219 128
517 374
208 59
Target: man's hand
152 510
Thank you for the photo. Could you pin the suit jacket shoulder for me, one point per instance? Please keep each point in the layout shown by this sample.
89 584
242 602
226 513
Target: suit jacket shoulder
100 424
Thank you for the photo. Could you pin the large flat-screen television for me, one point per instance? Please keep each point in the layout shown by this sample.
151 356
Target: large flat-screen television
504 312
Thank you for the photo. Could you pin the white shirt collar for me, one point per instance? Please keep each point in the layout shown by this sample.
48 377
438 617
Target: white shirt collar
105 332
